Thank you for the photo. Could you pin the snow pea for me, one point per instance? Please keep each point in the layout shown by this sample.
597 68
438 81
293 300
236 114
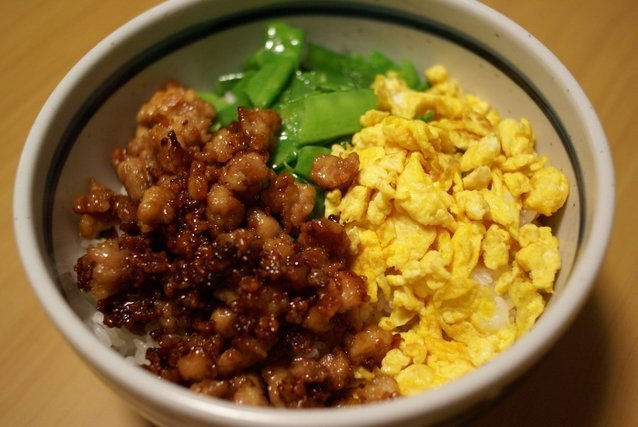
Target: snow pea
354 68
268 82
325 116
281 40
361 71
213 99
306 156
319 93
285 153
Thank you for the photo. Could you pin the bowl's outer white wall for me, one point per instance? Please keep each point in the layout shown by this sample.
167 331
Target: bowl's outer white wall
197 65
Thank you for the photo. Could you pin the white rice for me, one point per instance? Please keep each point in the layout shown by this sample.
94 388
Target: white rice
132 347
482 275
528 216
503 306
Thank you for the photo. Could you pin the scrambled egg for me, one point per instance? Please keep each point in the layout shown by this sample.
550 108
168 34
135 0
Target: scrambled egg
441 225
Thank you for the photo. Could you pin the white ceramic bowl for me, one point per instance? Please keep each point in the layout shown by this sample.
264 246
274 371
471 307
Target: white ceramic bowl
92 110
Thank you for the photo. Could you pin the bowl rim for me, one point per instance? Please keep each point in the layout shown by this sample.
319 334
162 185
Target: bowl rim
472 386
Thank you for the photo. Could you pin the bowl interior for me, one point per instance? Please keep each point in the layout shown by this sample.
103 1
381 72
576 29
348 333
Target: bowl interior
94 112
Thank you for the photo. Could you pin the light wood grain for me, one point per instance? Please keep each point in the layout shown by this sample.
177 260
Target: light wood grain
589 379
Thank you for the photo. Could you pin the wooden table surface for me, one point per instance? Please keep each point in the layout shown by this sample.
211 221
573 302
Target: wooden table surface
589 379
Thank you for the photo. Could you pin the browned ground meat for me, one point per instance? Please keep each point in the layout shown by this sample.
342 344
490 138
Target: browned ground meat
214 255
331 172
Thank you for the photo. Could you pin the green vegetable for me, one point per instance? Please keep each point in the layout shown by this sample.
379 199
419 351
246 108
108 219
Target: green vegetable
319 210
381 63
306 156
359 71
319 93
355 70
285 153
306 83
325 116
428 116
284 40
281 40
268 82
213 99
256 60
231 99
407 71
227 82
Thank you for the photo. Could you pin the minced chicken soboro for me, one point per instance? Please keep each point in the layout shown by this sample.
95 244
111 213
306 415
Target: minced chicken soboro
216 258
